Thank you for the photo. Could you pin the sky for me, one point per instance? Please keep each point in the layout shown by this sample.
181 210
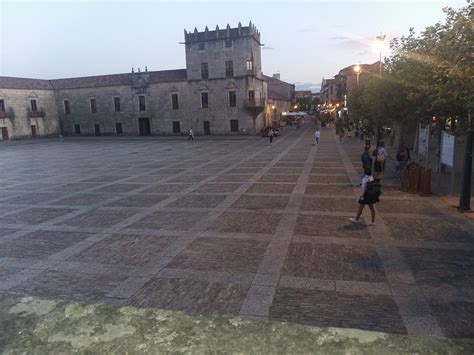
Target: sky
304 40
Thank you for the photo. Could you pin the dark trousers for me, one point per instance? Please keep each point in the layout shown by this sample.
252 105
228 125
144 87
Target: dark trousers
191 138
271 139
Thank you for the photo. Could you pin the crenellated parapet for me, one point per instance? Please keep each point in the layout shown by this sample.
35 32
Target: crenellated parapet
219 34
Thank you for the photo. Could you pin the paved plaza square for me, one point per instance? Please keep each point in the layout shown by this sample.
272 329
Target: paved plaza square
231 226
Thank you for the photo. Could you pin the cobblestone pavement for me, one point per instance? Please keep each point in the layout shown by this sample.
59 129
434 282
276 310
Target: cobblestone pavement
234 227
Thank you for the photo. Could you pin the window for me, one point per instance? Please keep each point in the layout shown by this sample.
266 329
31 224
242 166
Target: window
174 101
201 46
34 107
176 127
77 129
204 100
204 71
229 69
234 125
118 128
251 96
117 104
93 106
67 108
330 89
228 43
232 99
250 65
2 105
141 103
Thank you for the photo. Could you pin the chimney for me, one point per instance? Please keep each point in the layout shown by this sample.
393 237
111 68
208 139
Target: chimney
133 70
276 76
139 70
146 69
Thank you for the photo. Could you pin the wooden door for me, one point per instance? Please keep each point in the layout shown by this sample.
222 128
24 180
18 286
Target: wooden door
207 128
144 126
97 130
33 131
5 133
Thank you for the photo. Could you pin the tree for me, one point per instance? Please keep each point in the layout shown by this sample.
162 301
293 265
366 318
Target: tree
437 68
427 75
304 103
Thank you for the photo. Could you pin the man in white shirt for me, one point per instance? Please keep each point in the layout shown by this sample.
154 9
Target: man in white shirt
317 135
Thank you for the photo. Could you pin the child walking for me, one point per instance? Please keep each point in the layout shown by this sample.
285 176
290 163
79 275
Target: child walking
271 134
317 135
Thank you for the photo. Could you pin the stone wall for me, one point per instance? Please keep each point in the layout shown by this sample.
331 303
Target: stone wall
159 107
19 100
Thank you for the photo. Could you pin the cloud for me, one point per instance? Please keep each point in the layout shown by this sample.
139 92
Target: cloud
268 48
339 38
306 30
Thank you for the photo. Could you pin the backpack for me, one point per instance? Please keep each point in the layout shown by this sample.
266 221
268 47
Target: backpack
373 188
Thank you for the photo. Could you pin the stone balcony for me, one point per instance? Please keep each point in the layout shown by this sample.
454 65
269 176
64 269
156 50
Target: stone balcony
255 106
37 113
7 114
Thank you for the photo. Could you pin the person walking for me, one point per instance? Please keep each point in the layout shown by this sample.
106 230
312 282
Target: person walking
342 133
403 157
366 158
369 195
271 134
317 135
380 154
191 135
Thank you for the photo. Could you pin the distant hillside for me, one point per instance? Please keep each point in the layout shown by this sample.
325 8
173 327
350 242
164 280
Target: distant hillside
308 86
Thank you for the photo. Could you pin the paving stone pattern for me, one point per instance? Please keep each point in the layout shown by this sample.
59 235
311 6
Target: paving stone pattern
231 227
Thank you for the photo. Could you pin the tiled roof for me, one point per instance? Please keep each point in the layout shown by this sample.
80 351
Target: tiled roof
92 81
7 82
160 76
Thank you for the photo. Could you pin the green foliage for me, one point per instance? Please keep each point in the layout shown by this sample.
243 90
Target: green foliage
381 99
304 103
427 75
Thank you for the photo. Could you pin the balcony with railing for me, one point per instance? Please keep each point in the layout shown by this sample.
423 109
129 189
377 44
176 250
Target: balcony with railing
36 113
7 114
255 106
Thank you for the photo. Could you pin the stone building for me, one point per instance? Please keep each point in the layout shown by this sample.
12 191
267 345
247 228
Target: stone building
281 97
27 108
221 91
333 91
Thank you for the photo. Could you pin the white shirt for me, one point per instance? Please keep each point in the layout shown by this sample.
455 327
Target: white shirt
381 152
317 134
364 182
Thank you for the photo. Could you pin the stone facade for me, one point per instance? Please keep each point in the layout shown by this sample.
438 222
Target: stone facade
281 97
28 110
221 91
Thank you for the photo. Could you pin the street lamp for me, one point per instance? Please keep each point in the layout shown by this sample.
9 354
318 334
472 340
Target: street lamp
357 70
379 43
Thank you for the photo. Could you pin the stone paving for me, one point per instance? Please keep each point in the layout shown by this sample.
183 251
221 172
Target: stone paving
233 227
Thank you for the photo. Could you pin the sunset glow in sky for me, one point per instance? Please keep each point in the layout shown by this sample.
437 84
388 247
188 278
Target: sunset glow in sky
304 41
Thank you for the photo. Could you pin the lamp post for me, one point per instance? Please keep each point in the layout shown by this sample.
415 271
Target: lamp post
357 70
273 115
380 41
